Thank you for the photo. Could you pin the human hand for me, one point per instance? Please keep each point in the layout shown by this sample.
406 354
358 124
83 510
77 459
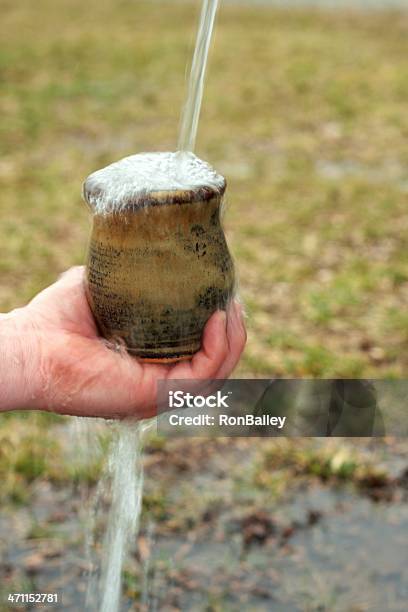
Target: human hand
66 367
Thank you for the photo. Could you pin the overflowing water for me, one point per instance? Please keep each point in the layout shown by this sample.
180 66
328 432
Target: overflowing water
129 179
192 107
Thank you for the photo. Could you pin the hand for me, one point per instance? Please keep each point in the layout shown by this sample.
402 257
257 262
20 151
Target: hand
70 369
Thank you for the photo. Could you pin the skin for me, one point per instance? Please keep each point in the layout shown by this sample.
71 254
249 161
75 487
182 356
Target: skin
52 358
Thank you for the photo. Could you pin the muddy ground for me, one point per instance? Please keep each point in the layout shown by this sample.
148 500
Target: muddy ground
222 529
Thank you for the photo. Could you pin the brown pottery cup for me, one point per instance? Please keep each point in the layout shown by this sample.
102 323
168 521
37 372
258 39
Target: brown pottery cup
158 269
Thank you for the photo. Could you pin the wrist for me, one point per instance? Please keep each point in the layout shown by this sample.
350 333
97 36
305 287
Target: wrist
19 361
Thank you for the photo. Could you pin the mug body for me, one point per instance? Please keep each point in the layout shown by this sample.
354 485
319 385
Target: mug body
157 272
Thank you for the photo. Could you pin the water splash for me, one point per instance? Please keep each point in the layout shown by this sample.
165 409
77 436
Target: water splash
192 107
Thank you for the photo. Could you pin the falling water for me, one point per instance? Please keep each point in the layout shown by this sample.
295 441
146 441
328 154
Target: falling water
125 467
192 107
122 479
121 485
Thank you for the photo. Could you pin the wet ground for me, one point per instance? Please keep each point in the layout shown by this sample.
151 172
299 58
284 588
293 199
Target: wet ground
218 535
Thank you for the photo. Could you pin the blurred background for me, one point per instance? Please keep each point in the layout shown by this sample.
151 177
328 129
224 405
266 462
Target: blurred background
305 113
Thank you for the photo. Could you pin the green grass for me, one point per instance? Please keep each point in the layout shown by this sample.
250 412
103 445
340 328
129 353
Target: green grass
32 448
283 460
305 114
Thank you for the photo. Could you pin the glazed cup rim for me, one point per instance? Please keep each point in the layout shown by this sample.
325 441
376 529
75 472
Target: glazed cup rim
155 198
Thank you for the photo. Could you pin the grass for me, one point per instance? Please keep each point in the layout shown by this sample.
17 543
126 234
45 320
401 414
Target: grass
282 461
305 114
32 448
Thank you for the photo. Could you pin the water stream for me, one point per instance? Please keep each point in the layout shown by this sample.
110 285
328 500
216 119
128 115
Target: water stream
126 472
121 483
192 107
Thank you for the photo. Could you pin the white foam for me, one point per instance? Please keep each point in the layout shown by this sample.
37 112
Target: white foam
128 179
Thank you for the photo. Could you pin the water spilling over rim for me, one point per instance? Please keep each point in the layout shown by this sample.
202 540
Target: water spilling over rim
149 178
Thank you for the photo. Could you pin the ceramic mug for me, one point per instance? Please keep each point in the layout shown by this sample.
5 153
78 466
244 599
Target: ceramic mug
158 269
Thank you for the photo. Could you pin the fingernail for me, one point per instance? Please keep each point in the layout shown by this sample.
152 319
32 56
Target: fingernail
239 311
240 318
223 317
